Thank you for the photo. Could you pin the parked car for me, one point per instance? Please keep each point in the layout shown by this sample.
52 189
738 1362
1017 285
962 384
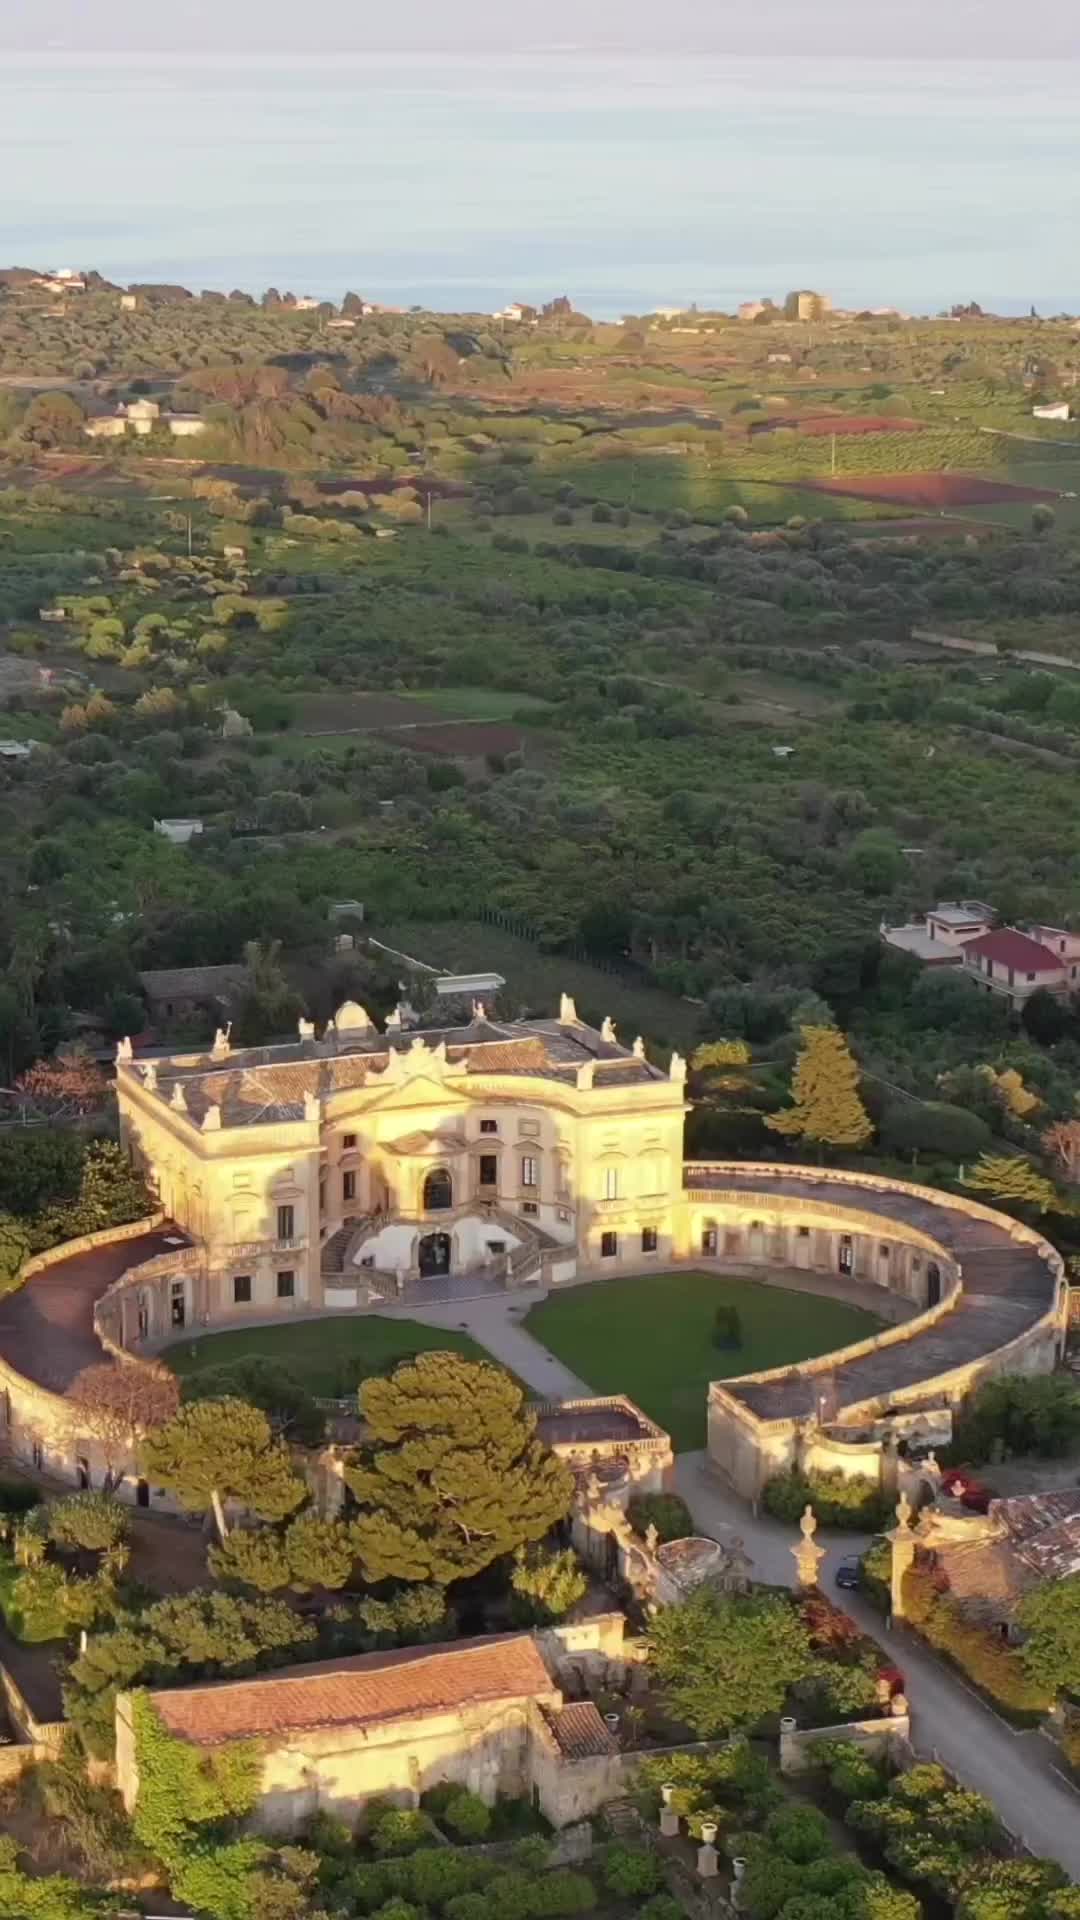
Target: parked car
965 1486
849 1572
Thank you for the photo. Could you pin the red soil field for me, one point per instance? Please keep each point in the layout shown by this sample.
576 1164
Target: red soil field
929 489
816 425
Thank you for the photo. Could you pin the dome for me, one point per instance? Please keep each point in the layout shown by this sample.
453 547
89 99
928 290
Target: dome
351 1017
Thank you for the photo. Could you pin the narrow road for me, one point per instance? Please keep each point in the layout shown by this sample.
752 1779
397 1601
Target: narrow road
1015 1770
493 1322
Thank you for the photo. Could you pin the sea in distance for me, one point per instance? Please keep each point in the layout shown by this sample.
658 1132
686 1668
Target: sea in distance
629 182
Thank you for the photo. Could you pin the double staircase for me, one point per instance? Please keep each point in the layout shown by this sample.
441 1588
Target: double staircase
527 1264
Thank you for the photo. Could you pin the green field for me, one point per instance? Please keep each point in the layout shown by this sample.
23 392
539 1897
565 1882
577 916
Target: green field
328 1357
650 1336
536 979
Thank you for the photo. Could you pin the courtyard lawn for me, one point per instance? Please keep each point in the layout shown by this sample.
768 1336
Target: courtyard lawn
650 1336
328 1357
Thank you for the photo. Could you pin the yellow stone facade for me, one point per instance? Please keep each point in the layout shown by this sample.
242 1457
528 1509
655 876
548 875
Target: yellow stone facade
312 1175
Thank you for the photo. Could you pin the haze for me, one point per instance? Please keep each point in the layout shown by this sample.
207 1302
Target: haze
955 28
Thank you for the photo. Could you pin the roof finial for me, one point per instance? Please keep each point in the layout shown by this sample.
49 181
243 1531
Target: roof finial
568 1013
607 1031
125 1052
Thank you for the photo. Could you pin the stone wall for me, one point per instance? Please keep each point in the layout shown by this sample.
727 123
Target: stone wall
885 1739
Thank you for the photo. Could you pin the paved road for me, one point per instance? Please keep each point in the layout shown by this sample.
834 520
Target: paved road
1013 1769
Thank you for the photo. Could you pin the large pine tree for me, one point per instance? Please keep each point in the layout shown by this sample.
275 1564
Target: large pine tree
453 1475
825 1094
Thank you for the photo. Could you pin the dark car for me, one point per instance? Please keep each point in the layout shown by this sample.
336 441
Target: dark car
848 1572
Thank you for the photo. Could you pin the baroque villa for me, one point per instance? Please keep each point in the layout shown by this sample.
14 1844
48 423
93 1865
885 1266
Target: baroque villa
321 1173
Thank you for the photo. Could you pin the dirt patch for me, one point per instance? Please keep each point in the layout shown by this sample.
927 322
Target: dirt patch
467 739
340 713
819 425
950 529
930 489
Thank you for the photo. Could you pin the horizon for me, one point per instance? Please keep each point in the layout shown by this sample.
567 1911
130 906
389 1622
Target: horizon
980 29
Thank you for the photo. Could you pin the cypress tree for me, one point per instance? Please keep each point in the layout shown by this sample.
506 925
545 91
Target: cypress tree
826 1105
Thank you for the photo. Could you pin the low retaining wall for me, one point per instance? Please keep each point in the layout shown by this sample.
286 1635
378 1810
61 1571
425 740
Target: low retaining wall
888 1739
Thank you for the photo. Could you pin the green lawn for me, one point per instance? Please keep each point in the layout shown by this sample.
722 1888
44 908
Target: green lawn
329 1357
650 1336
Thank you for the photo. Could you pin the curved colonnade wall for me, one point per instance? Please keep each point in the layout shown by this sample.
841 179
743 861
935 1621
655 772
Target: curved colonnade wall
988 1294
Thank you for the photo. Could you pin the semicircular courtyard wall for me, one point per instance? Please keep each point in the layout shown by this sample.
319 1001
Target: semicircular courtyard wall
989 1292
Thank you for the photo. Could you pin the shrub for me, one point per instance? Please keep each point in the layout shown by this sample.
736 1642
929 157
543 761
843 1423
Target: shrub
562 1892
798 1833
16 1496
727 1328
875 1573
631 1872
667 1512
999 1670
662 1906
833 1692
469 1906
837 1500
1039 1414
467 1815
440 1874
401 1830
92 1520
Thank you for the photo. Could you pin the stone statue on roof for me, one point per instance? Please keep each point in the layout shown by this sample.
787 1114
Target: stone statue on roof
221 1049
568 1013
677 1069
125 1052
607 1031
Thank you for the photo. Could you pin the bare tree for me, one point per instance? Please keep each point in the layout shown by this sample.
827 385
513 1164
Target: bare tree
116 1404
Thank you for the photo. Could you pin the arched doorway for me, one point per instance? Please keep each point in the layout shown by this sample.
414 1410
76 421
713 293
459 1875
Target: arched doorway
438 1191
933 1284
433 1255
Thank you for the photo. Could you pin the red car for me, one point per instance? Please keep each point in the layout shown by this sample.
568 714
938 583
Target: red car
964 1486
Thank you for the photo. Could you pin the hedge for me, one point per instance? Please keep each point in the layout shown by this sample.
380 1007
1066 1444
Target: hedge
996 1669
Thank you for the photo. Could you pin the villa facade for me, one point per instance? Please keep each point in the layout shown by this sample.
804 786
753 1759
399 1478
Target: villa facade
329 1171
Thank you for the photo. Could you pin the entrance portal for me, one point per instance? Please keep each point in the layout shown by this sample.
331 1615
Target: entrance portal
933 1284
846 1258
433 1256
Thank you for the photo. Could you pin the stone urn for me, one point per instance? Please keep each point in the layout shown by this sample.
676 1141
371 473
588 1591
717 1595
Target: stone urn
898 1706
669 1819
708 1833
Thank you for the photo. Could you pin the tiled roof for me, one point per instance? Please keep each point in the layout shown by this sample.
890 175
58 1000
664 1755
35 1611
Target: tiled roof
580 1733
163 983
364 1690
1008 948
264 1084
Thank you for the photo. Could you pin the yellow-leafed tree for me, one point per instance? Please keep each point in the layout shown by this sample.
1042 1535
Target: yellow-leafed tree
826 1107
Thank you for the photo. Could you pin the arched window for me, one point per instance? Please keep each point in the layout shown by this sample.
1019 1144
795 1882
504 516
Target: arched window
438 1190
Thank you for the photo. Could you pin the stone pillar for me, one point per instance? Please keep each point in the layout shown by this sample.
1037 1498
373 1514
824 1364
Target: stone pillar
669 1819
807 1554
903 1543
708 1860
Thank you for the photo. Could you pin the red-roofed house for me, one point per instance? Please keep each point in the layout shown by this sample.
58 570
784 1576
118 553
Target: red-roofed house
1014 964
487 1714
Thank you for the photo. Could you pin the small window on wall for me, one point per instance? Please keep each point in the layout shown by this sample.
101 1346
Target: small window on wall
804 1233
883 1249
528 1171
648 1239
348 1140
609 1245
241 1289
286 1221
286 1284
611 1183
348 1186
489 1126
529 1206
489 1170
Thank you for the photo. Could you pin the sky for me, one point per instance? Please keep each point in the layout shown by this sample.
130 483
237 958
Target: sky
949 29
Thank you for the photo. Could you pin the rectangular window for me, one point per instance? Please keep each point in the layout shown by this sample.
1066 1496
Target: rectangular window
489 1169
241 1289
804 1233
528 1171
611 1183
609 1245
348 1140
285 1223
177 1303
348 1186
648 1239
489 1126
529 1206
286 1284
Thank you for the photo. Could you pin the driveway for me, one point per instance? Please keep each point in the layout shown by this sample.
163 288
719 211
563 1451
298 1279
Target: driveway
47 1325
949 1721
494 1322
